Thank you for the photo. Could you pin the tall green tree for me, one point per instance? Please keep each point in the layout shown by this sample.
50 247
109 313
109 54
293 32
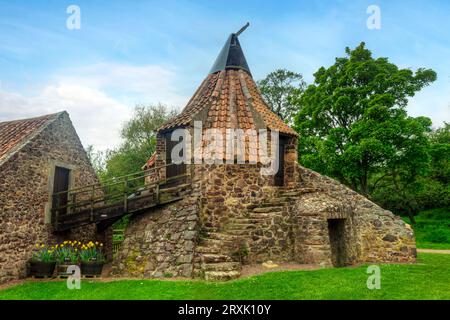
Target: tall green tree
353 124
404 189
139 140
277 88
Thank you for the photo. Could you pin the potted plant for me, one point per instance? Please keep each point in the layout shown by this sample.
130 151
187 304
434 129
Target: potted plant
66 255
42 263
92 259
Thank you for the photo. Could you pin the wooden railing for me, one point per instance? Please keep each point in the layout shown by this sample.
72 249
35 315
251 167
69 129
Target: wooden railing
115 197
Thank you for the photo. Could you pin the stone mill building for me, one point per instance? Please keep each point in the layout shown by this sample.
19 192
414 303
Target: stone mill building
38 157
231 214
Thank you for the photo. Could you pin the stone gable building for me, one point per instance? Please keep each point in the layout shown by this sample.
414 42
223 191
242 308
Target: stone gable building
38 157
234 215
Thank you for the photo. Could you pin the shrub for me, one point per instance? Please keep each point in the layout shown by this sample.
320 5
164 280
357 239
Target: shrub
438 235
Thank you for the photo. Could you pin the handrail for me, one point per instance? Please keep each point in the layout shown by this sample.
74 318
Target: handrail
104 183
93 201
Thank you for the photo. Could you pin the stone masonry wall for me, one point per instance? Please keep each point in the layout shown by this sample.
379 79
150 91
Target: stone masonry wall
229 194
227 189
24 194
375 234
234 204
161 242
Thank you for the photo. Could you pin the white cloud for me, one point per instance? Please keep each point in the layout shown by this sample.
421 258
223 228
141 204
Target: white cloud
98 98
150 83
96 117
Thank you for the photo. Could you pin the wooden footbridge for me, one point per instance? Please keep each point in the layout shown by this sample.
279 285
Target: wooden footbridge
105 203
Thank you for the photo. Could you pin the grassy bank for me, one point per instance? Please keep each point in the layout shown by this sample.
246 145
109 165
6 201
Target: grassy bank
432 229
428 279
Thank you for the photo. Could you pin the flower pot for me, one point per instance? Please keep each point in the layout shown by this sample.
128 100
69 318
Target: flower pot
40 269
92 268
61 269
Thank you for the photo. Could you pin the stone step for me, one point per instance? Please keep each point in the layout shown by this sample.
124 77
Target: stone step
275 202
252 221
222 266
297 191
207 242
287 199
290 194
237 232
207 249
240 226
221 275
267 209
215 258
221 236
266 216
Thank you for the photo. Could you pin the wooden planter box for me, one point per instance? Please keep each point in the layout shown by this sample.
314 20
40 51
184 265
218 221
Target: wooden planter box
40 269
92 268
61 269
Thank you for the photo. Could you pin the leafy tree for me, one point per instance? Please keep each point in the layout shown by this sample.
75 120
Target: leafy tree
440 154
353 124
139 142
277 88
403 189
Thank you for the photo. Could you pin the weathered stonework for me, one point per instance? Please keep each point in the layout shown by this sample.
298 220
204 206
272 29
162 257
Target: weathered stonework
374 234
238 216
25 189
160 243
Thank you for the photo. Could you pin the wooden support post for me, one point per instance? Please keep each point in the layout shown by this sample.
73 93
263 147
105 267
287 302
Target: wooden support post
125 200
157 192
73 204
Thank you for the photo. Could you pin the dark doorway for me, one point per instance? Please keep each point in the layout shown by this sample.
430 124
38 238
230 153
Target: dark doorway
174 169
336 231
279 176
61 183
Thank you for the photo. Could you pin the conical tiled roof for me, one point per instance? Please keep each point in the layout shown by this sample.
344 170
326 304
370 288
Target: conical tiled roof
229 98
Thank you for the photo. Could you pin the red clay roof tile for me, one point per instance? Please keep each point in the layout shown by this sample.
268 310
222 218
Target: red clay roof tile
16 133
229 93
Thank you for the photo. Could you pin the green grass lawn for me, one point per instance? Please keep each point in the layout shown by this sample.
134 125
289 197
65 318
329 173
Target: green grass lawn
432 229
428 279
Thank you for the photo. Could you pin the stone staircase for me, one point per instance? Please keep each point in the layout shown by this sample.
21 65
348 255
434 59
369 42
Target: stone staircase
212 263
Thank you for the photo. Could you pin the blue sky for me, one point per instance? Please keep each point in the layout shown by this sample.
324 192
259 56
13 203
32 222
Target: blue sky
129 52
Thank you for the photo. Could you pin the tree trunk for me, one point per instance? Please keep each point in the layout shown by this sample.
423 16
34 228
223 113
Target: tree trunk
411 215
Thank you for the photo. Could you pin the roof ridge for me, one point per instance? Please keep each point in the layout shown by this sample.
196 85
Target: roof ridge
34 118
8 151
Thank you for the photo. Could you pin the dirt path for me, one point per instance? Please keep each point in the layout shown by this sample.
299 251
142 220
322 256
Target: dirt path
433 251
